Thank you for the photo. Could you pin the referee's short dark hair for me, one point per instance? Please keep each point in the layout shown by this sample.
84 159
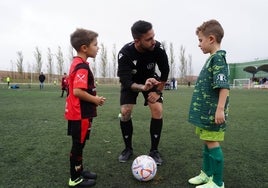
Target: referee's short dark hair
139 28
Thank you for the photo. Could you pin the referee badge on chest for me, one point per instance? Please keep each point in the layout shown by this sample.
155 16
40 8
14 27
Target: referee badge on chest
133 71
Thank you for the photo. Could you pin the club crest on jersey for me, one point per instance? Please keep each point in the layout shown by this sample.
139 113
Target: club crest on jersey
133 71
80 78
150 66
221 78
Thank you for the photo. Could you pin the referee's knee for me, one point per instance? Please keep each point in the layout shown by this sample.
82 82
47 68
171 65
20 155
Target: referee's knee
125 115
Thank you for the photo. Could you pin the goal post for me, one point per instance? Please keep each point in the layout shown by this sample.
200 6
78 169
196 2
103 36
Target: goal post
242 83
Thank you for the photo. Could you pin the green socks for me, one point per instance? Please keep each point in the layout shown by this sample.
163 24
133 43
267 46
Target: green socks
213 162
217 161
207 165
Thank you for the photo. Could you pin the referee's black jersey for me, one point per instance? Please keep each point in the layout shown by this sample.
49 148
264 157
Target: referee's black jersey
136 67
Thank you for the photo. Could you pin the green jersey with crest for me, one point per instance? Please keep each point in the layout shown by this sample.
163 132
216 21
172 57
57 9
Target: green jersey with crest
213 77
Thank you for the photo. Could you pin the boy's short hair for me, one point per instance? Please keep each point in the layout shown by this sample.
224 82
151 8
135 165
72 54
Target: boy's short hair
139 28
211 27
82 37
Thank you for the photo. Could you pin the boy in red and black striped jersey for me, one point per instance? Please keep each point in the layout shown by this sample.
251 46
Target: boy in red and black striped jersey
81 104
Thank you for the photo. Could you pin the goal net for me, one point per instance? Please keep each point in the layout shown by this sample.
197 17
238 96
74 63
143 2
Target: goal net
241 83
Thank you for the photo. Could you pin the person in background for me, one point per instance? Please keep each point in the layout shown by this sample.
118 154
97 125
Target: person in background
64 84
209 106
8 81
42 79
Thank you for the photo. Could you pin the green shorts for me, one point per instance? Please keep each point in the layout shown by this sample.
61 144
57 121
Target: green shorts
209 135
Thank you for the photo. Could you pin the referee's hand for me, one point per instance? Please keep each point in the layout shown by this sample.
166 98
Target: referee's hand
153 97
150 83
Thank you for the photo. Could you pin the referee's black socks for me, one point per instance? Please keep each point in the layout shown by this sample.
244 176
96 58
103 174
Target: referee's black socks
127 130
155 131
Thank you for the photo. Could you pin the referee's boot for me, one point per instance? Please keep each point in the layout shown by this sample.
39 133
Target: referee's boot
156 156
125 155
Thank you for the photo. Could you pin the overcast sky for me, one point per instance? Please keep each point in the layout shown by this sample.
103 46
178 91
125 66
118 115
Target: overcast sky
26 24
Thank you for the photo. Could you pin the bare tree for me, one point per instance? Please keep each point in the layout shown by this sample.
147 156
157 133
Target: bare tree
20 62
190 68
70 56
171 60
114 60
164 45
103 61
30 72
49 64
183 64
93 67
38 58
12 68
60 61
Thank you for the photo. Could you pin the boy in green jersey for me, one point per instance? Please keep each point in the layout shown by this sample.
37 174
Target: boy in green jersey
209 106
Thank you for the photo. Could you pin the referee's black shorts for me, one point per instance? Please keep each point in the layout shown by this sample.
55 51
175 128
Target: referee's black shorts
127 96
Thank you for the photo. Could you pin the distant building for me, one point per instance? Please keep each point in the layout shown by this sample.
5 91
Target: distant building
253 69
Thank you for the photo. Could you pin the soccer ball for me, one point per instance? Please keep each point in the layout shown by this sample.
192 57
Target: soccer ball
144 168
